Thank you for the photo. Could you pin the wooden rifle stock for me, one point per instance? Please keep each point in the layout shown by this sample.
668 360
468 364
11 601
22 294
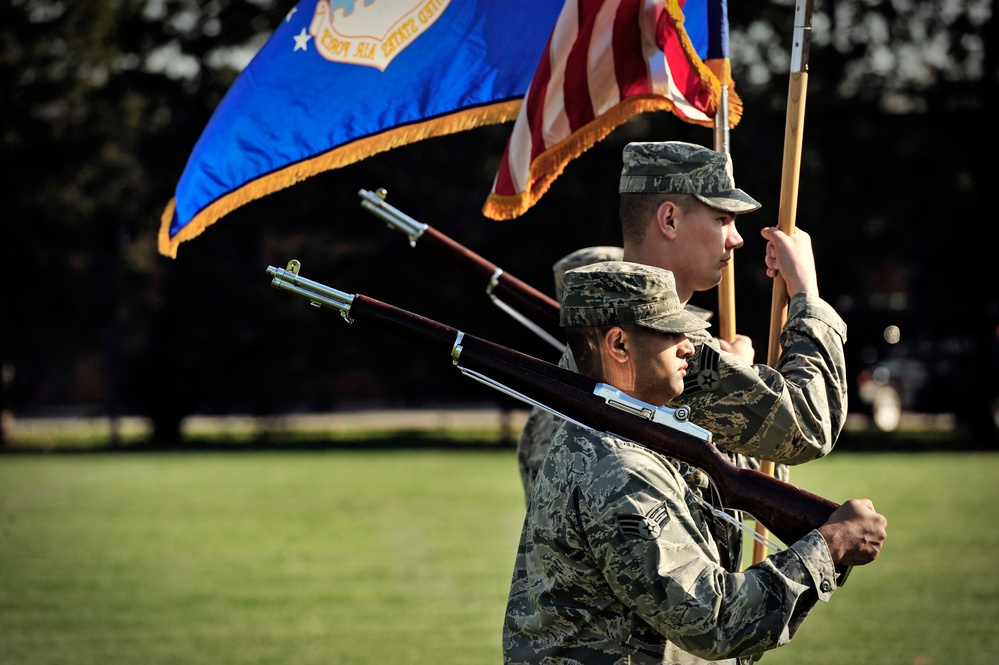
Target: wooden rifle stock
538 308
789 511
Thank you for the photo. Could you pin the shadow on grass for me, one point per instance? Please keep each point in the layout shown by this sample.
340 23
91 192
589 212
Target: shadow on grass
400 440
852 440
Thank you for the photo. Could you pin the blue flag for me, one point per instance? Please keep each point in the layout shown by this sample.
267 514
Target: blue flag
342 80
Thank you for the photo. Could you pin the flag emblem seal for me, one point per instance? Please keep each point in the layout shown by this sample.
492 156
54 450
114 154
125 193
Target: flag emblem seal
371 32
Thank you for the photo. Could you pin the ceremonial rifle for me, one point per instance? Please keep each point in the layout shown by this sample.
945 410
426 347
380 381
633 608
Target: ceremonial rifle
789 511
513 296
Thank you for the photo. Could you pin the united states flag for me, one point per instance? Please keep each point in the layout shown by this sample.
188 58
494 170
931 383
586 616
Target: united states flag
605 61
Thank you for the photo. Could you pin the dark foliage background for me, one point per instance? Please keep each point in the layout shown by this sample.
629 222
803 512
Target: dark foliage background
102 103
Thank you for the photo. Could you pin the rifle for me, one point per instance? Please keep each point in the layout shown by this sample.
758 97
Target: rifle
789 511
507 292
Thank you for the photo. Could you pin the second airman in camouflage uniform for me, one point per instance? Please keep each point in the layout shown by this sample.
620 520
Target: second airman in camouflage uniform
618 562
535 437
532 444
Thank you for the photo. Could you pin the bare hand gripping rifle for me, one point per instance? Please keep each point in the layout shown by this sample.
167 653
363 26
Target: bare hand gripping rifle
789 511
520 300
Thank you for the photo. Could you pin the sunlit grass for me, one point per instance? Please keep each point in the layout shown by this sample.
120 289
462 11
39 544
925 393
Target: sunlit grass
404 556
350 429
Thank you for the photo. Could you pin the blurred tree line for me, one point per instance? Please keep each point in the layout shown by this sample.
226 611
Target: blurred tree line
102 103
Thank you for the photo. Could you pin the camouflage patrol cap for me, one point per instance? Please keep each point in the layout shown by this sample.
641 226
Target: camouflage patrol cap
676 167
619 292
583 257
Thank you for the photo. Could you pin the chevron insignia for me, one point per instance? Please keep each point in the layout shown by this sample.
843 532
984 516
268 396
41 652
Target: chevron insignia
647 526
705 376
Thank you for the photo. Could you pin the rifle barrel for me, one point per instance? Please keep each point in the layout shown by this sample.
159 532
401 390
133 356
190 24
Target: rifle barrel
501 286
790 512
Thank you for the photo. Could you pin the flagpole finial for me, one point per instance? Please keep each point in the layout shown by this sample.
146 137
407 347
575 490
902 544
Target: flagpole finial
802 35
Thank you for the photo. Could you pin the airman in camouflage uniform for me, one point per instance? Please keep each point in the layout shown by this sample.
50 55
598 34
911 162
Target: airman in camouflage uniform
534 439
790 413
618 562
532 444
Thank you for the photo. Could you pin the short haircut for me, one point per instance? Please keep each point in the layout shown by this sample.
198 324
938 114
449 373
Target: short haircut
584 342
637 210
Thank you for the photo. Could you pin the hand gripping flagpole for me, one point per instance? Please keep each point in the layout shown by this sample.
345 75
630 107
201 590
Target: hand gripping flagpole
793 131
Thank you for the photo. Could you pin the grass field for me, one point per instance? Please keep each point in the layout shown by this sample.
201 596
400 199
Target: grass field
404 556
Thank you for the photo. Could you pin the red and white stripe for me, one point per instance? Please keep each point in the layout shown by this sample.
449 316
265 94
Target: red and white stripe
605 61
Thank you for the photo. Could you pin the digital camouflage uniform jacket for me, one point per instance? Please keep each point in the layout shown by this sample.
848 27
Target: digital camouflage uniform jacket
618 564
788 414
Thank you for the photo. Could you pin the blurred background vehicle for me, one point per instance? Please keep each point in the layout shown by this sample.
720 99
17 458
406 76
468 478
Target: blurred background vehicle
906 373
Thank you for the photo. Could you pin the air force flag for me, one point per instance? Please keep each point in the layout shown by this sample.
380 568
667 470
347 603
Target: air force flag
341 80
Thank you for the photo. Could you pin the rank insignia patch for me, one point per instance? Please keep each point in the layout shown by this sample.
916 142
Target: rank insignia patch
645 526
705 376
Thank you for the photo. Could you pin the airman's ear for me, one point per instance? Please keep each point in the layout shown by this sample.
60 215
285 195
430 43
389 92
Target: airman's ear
666 219
617 344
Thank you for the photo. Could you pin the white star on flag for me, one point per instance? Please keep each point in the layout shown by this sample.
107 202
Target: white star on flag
302 41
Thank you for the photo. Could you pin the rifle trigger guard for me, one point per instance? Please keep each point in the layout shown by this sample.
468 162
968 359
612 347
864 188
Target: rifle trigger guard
494 281
346 317
456 349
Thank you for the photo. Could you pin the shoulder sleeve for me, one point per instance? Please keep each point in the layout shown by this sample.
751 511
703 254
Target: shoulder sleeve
791 413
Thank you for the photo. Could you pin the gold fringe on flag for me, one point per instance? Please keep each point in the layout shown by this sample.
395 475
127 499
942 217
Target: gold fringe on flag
549 165
334 159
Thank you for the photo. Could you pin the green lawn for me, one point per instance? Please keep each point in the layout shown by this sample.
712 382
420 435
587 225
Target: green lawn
404 557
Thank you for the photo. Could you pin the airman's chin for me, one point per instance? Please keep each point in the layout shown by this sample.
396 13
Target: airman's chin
710 284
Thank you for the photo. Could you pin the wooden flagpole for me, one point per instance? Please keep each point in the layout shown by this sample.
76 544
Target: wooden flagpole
726 288
793 132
